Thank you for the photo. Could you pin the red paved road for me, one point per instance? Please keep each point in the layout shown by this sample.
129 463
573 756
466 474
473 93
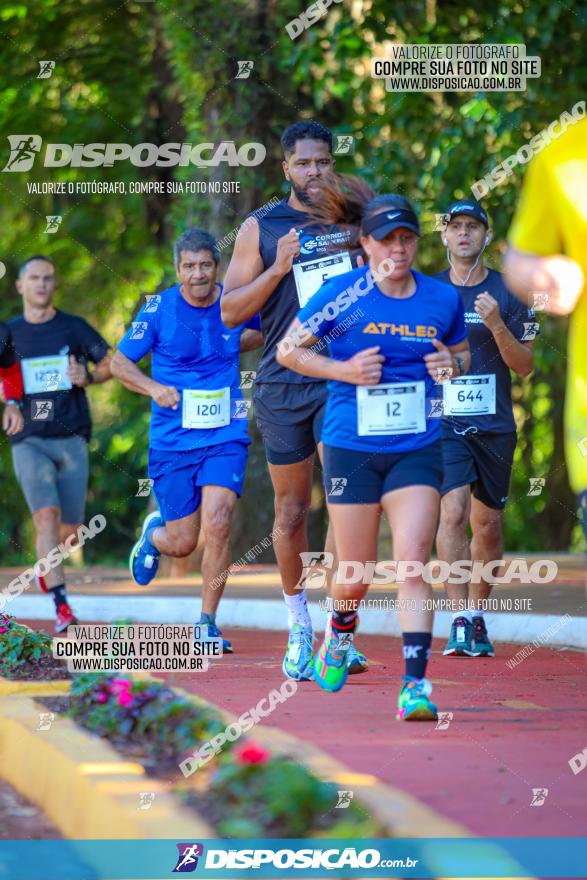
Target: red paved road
512 729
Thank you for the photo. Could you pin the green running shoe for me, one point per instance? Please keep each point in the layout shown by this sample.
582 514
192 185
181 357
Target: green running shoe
481 644
460 642
413 703
331 662
298 661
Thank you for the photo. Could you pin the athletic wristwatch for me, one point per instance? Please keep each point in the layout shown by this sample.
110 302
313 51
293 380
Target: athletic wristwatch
89 377
460 364
12 401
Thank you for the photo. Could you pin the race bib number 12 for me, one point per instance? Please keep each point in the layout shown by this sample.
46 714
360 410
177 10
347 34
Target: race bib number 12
396 408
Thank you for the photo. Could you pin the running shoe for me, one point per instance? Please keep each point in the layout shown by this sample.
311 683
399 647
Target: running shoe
65 617
209 631
298 661
331 664
481 644
460 642
356 661
413 703
144 557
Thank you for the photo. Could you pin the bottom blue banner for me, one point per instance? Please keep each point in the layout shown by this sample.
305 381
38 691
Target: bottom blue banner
551 857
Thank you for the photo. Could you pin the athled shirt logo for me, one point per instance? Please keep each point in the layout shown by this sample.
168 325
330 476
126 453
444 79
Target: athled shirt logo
419 331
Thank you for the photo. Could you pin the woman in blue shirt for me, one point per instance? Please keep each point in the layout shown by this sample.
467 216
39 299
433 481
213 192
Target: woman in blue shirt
392 334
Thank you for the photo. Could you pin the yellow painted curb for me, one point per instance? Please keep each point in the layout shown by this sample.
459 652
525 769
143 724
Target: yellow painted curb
8 687
82 785
402 814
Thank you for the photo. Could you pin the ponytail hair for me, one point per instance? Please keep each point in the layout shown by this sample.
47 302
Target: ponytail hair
343 200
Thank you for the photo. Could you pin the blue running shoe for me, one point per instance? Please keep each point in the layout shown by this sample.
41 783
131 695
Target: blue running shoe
209 631
144 557
356 661
460 642
298 661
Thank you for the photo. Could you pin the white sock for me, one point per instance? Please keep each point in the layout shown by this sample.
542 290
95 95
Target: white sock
297 609
466 614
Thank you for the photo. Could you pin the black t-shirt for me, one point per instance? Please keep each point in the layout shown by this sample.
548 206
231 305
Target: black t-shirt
51 407
485 356
281 308
6 350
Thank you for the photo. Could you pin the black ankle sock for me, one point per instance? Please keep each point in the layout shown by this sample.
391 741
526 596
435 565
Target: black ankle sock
416 653
59 595
344 621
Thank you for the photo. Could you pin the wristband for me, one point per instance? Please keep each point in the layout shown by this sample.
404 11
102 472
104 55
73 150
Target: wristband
13 402
89 377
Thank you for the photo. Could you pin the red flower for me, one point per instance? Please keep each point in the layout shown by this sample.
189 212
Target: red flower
252 753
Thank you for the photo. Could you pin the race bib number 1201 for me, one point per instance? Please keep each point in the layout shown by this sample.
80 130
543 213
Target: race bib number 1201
205 409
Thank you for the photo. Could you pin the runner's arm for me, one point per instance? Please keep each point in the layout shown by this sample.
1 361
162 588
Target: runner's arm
444 358
364 368
133 378
246 286
559 277
518 356
251 339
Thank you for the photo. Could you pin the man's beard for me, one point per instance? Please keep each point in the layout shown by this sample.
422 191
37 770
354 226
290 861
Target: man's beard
301 195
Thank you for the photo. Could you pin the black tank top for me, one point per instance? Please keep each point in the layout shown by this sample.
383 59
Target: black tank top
283 304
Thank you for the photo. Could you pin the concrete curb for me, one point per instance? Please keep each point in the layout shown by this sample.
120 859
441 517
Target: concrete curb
270 614
34 688
83 786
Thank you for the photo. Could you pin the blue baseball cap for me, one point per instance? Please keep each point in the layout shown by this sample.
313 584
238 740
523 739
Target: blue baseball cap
469 208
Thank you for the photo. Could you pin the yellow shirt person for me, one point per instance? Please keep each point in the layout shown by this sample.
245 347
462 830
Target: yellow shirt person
551 220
